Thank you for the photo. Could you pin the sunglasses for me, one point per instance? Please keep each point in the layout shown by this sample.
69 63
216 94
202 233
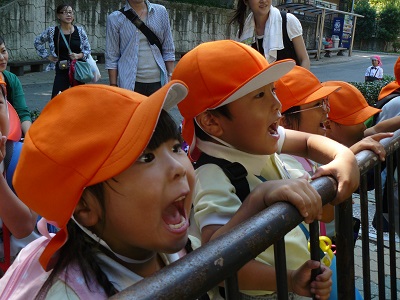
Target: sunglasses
324 105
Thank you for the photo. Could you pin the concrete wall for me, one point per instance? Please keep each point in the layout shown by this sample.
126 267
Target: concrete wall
21 21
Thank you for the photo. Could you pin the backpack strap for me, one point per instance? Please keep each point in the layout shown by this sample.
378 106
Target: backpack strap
381 103
235 171
288 51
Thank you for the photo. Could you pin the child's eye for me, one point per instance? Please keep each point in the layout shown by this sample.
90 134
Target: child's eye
260 95
177 148
146 157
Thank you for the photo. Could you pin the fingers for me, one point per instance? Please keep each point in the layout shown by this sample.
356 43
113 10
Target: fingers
322 285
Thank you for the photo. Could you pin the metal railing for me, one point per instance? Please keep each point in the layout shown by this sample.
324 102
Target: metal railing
219 260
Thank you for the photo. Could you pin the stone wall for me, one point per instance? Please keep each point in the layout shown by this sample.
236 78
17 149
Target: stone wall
21 21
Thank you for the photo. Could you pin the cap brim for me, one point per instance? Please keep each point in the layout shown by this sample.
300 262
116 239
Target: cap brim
321 93
270 74
357 117
388 89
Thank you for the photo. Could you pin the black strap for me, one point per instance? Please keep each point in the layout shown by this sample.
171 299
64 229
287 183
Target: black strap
288 51
379 104
233 170
151 36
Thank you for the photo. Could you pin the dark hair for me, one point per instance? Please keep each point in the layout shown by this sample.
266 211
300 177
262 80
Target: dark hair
292 121
239 16
80 249
61 7
2 40
223 110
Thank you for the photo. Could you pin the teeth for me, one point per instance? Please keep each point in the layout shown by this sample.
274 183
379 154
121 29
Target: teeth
180 199
180 225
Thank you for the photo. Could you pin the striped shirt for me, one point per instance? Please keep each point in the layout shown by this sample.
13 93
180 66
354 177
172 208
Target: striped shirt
122 43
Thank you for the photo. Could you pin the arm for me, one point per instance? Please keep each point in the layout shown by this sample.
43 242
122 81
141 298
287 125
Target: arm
301 52
85 45
19 219
18 101
372 143
388 125
112 51
113 77
340 161
40 43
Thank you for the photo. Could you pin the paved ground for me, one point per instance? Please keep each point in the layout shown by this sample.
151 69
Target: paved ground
37 87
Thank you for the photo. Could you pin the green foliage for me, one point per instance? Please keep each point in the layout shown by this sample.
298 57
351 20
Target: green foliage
365 26
35 114
213 3
388 27
371 90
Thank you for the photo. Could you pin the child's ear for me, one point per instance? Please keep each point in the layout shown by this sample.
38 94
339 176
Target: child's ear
88 211
210 123
327 124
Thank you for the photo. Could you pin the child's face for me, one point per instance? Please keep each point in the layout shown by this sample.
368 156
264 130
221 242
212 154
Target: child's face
254 122
375 62
4 124
3 57
347 135
147 206
313 116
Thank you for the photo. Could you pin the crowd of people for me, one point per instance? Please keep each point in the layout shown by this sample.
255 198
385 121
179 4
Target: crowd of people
81 217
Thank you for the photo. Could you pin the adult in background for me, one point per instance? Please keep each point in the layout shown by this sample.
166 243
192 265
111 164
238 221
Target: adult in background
15 93
374 72
58 52
132 62
277 35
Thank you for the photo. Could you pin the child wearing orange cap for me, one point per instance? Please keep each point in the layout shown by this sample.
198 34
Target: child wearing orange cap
232 113
88 179
17 221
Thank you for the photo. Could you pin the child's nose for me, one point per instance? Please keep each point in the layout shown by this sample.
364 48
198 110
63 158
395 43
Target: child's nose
176 168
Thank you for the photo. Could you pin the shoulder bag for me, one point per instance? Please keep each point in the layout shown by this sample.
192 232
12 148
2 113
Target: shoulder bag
151 36
82 69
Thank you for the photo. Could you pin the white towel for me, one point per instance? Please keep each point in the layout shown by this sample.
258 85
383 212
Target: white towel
273 38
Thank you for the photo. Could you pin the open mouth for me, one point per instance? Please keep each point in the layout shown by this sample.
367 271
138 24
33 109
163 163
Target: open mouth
175 216
273 129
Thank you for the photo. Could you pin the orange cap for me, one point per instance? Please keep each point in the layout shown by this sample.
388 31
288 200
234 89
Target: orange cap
299 87
394 85
348 106
85 135
221 72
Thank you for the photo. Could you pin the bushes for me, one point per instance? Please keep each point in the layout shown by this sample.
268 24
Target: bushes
371 90
213 3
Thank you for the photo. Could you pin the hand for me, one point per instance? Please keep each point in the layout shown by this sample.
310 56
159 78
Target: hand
372 143
3 141
344 169
321 287
52 58
298 192
75 56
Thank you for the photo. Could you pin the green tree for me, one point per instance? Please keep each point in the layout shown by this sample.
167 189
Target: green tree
389 25
365 27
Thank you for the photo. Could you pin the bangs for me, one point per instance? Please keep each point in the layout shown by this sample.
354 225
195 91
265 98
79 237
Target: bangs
166 130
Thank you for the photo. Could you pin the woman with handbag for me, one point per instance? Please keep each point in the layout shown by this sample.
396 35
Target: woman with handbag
67 43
